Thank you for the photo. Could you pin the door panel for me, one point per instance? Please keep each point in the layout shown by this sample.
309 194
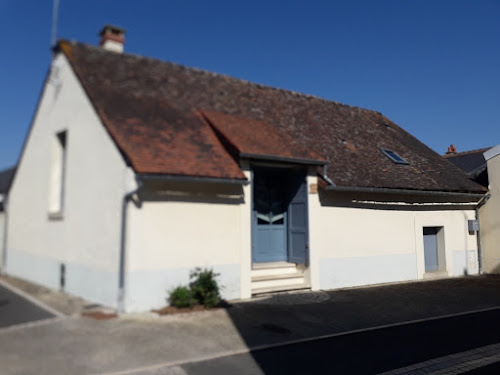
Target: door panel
298 223
430 249
270 216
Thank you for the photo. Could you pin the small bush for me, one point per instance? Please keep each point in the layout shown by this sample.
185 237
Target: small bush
204 287
181 297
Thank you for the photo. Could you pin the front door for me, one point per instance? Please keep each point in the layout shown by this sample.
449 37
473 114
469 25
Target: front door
430 249
270 216
280 225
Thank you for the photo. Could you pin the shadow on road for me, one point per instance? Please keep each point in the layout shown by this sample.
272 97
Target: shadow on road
314 323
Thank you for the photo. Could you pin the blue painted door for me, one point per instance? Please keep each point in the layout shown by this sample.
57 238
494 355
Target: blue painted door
269 216
430 249
280 223
298 241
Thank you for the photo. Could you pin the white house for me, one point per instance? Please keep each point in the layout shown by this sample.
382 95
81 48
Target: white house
489 215
136 170
5 180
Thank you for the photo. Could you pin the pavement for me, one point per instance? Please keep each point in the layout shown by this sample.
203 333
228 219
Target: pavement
147 344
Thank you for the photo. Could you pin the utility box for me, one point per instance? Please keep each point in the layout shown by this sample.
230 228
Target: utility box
473 225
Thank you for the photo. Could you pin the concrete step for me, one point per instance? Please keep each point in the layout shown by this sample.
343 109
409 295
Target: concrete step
288 288
273 268
277 281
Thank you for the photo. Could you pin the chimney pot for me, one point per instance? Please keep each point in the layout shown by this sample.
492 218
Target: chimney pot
112 38
451 150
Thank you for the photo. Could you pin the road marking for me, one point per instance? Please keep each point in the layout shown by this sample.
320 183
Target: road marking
32 299
171 364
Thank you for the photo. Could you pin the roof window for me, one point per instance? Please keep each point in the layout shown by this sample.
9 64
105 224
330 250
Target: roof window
393 156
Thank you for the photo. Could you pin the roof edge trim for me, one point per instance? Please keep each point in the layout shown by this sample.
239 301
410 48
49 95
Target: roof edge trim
282 159
354 189
492 152
181 178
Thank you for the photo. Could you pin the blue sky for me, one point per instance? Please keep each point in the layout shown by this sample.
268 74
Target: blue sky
431 66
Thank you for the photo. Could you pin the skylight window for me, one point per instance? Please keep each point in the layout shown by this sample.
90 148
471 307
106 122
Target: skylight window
393 156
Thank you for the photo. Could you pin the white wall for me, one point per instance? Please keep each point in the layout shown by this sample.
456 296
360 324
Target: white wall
2 235
87 237
361 244
489 216
180 226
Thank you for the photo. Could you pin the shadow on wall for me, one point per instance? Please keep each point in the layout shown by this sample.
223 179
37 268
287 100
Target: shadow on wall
396 202
192 192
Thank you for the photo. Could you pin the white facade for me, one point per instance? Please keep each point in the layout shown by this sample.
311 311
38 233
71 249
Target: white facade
490 217
370 243
66 214
84 237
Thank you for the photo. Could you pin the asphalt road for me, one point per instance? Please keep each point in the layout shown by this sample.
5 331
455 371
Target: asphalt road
15 309
369 352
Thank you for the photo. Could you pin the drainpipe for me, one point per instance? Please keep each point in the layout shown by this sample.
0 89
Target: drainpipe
480 204
5 229
121 277
326 178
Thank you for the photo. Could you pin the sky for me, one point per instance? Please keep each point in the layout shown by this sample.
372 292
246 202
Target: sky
431 66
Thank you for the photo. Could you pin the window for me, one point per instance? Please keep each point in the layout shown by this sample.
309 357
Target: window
57 172
393 156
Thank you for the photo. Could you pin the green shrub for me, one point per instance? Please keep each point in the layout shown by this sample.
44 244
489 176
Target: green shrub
181 297
204 287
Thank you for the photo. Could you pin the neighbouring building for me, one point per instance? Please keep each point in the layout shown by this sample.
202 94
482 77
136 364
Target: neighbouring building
6 176
136 170
490 215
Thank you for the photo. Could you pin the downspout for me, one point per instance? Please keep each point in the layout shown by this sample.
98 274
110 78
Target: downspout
123 237
5 230
480 204
325 177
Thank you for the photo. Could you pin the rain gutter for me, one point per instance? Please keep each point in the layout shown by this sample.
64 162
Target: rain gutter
179 178
354 189
282 159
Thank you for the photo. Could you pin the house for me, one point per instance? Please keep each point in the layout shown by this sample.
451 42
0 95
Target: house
5 181
136 170
488 214
471 162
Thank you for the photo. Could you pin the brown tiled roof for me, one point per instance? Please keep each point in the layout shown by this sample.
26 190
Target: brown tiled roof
254 138
150 107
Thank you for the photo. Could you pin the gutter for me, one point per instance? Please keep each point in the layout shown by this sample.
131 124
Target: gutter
282 159
123 237
480 204
353 189
180 178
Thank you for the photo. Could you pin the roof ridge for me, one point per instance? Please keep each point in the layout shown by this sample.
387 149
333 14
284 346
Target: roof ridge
467 152
225 76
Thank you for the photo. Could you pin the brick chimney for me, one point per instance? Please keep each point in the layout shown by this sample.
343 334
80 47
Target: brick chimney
452 150
112 38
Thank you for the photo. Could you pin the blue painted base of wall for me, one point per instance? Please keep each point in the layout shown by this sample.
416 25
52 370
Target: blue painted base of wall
93 284
147 289
465 262
346 272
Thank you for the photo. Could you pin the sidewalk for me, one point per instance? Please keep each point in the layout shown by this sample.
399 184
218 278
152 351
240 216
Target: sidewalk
147 344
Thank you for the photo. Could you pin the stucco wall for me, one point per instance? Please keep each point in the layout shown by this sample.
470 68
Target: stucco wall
2 229
87 237
362 243
489 216
180 226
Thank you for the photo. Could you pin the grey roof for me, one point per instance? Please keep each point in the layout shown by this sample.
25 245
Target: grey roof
469 161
